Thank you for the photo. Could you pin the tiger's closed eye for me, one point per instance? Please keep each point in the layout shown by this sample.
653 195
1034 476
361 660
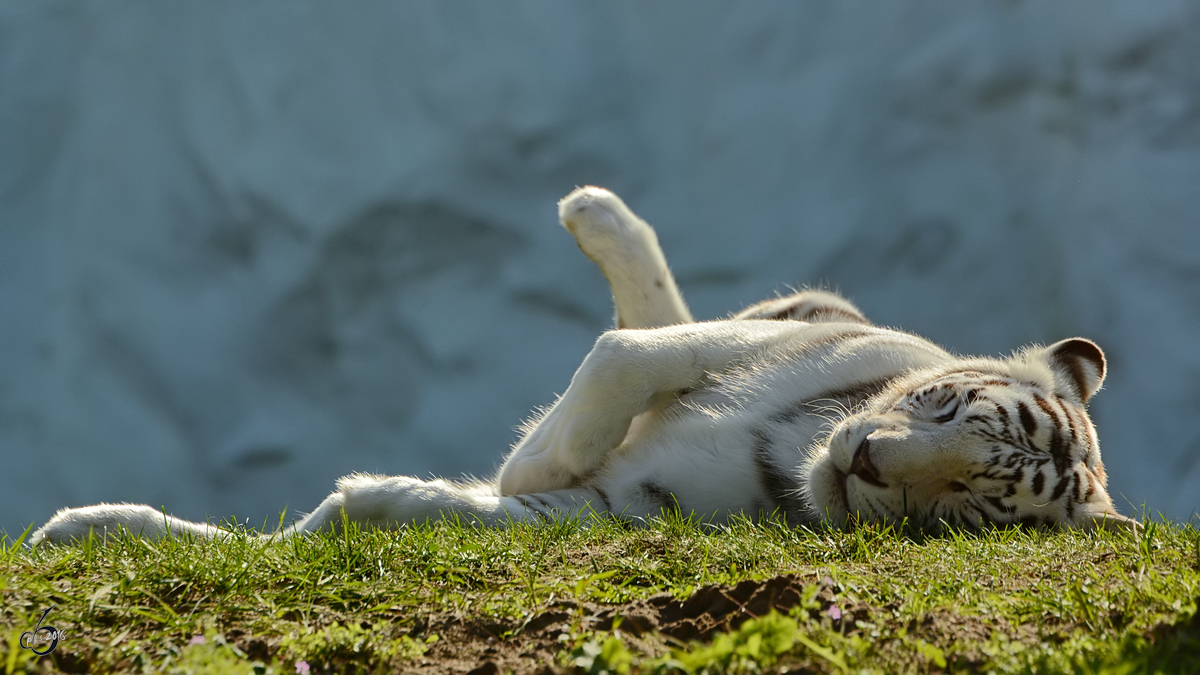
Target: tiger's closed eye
955 406
950 413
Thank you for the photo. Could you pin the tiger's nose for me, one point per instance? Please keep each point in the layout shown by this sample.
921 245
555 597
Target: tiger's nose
862 466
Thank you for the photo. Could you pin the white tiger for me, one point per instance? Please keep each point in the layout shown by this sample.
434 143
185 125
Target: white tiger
796 408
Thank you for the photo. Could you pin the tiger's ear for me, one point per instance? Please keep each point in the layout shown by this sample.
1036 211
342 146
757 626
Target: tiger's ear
1080 362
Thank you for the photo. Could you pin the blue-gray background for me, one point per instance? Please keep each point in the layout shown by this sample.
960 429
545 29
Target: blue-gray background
248 248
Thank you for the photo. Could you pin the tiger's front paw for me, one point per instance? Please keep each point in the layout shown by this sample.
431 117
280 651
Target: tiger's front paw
570 442
543 462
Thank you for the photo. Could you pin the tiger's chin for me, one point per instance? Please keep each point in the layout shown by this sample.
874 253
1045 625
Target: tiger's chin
825 486
1103 516
838 498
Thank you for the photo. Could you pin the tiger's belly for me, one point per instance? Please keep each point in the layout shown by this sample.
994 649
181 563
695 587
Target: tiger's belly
711 467
737 444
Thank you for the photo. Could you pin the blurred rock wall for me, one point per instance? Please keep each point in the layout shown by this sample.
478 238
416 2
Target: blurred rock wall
246 249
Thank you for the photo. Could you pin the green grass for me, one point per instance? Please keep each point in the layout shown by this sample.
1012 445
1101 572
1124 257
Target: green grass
450 597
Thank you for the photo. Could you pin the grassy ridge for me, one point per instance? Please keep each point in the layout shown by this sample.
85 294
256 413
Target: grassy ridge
452 597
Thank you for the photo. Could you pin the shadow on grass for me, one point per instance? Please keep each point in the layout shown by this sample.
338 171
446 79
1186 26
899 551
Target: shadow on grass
1173 648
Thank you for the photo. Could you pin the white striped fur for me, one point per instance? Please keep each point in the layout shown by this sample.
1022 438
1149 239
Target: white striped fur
796 408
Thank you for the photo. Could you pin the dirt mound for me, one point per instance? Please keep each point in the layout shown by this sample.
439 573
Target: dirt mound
488 647
717 608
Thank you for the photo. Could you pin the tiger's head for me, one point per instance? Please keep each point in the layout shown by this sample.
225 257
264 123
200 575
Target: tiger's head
981 441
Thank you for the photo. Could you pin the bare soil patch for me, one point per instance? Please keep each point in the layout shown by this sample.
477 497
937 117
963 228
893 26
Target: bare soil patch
650 625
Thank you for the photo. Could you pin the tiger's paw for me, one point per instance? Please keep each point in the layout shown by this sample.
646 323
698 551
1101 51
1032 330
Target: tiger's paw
603 226
543 462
